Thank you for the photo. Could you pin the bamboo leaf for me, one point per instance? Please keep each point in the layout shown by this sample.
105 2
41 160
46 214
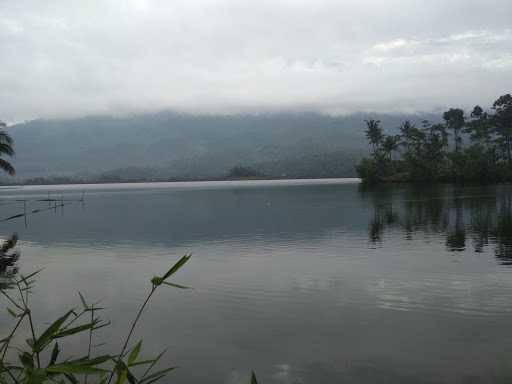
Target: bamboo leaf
26 360
82 299
47 335
37 376
98 360
176 285
155 360
134 353
72 331
141 362
131 378
55 353
162 372
253 378
122 374
155 379
74 368
101 326
180 263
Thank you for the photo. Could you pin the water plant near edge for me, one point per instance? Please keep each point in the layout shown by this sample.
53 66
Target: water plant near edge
39 361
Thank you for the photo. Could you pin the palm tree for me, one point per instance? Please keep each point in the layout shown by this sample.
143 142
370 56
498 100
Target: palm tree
502 120
390 144
6 148
374 134
455 121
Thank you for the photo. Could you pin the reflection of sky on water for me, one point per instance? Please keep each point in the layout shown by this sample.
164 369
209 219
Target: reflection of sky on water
303 283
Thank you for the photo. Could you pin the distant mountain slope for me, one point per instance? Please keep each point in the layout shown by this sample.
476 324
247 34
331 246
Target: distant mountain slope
179 145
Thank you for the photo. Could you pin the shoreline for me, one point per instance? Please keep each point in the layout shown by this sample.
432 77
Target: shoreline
199 182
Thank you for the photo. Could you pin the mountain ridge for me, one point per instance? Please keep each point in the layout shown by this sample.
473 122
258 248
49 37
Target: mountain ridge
184 145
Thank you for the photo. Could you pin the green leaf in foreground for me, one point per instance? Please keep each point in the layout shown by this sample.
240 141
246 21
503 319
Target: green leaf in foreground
161 373
176 285
74 368
26 360
11 312
55 353
37 376
180 263
253 378
82 299
78 329
47 335
134 353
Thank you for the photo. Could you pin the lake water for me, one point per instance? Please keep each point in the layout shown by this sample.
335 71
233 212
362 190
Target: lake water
302 281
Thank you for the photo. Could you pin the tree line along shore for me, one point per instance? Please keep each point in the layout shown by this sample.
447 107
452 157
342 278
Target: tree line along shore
460 148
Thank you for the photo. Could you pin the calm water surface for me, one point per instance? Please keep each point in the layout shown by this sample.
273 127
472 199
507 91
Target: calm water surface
302 281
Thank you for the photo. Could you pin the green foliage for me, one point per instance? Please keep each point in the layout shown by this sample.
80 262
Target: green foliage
480 152
367 170
40 361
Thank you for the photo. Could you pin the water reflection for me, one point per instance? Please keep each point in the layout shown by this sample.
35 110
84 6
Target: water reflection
474 218
284 280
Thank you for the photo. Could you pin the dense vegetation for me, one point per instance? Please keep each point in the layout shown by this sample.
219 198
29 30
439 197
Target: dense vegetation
477 148
241 172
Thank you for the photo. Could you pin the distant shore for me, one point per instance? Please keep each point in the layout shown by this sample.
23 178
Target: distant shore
78 181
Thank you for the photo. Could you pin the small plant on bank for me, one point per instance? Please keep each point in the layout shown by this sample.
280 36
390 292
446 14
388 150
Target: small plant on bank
40 359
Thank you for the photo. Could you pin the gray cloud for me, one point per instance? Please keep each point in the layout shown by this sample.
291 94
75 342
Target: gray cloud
70 58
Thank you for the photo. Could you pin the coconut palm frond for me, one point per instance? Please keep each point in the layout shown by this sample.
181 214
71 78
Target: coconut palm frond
5 137
6 149
7 167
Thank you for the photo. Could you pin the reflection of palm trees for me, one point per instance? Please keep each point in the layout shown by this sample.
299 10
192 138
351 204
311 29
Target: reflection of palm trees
383 214
375 230
484 215
456 238
503 231
482 220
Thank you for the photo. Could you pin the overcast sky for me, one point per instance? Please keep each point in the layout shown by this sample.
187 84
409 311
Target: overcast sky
72 58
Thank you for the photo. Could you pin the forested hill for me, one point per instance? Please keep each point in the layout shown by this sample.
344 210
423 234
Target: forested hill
168 144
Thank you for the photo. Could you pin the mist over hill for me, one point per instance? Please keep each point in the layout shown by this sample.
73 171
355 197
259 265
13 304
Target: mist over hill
172 145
